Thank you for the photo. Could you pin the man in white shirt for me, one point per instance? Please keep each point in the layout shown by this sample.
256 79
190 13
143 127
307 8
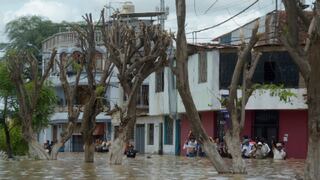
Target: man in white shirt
278 152
246 149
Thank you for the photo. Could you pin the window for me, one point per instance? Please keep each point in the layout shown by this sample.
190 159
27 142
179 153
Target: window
143 96
227 64
150 134
202 67
168 131
277 68
98 61
269 72
160 81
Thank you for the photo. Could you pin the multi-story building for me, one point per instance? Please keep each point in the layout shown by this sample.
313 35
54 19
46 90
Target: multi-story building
210 70
67 44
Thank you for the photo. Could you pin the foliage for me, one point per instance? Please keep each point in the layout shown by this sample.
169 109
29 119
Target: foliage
100 90
284 94
19 146
28 31
44 108
6 86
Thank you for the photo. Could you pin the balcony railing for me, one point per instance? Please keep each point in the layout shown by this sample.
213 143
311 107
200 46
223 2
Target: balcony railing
66 39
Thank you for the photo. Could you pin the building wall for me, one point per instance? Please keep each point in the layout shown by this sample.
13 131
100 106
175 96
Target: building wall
206 95
158 101
156 120
294 124
247 130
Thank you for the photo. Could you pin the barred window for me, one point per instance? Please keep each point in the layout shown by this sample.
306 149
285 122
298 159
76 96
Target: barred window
150 134
168 131
160 81
202 67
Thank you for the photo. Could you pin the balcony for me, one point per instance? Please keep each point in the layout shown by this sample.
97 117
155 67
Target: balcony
66 39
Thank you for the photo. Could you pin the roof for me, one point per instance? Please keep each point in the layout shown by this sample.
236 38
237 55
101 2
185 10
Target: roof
195 48
271 26
143 14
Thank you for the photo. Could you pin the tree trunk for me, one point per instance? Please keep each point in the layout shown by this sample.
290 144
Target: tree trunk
197 128
125 130
36 150
6 128
312 170
232 138
88 143
233 143
89 149
64 138
117 149
8 141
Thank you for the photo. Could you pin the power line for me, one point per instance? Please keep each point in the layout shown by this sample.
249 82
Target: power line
194 7
216 25
210 7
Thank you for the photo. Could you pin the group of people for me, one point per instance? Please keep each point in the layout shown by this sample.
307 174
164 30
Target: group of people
102 145
259 149
192 146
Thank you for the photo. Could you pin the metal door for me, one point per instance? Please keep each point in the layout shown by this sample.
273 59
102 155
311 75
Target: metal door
140 138
77 143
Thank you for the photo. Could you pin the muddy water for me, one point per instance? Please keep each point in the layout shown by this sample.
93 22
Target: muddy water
71 166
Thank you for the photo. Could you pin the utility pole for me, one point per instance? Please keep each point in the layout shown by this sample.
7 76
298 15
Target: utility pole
162 17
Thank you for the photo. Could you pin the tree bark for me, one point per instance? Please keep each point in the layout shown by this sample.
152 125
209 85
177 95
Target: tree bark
197 128
8 141
232 139
126 128
91 110
63 140
116 152
6 128
307 60
312 170
36 150
181 71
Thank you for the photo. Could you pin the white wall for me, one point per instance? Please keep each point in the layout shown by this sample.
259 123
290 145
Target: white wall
156 120
158 102
206 95
44 135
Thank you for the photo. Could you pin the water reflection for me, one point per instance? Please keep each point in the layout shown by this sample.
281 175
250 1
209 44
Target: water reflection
71 166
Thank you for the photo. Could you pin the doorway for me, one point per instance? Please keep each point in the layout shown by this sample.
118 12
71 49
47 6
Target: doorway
160 151
266 125
140 138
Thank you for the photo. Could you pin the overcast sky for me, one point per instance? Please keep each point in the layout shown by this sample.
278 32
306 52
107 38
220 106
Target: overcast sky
199 13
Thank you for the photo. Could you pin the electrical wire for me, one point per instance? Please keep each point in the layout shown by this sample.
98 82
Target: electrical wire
216 25
210 7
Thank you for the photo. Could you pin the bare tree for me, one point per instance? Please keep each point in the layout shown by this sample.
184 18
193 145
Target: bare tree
96 90
70 91
236 107
18 63
307 60
136 52
181 72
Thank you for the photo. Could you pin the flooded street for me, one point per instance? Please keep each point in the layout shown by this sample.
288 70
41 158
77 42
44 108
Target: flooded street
71 166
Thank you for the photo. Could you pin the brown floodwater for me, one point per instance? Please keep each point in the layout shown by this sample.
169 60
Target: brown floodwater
71 166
